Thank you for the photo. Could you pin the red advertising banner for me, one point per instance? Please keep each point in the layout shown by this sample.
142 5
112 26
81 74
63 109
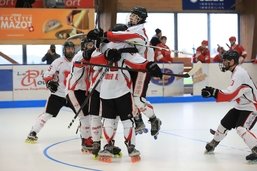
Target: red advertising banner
21 3
46 4
44 24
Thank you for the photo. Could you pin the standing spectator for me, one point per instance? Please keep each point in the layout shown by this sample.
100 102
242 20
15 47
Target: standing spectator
202 53
162 54
51 55
239 48
218 57
156 38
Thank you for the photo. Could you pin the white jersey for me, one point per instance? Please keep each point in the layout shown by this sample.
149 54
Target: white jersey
117 82
241 90
79 77
58 71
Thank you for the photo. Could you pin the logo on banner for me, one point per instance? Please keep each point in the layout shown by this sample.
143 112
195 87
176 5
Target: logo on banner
32 79
15 21
166 79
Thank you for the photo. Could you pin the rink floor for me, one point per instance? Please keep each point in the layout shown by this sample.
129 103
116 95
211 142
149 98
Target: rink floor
179 147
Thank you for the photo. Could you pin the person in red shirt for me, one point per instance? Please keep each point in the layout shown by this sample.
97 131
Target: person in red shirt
162 54
218 57
202 53
237 47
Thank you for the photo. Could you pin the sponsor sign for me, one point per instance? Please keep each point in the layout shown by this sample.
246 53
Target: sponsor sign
44 24
208 5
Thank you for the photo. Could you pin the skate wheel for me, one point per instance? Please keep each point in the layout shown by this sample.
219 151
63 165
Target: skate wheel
135 159
86 151
106 159
29 141
118 155
145 130
212 131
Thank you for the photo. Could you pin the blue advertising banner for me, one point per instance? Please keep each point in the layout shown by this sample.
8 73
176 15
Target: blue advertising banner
208 4
6 81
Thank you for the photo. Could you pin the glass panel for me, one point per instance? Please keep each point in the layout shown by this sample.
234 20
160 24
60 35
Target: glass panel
192 30
153 21
13 51
35 53
222 27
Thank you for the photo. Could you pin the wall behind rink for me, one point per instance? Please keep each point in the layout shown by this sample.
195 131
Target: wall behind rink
211 75
25 83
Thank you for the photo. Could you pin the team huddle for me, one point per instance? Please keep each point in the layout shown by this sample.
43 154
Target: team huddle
102 85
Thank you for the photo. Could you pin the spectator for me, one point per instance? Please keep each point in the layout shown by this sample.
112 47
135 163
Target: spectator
156 38
202 53
162 54
239 48
218 57
51 55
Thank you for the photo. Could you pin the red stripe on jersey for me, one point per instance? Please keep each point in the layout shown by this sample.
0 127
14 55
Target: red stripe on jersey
224 97
114 37
100 59
137 66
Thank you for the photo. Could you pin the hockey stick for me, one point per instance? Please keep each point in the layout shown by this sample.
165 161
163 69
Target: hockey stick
195 68
157 47
90 94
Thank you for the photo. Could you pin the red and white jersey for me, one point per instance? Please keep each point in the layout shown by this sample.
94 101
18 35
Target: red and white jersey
241 90
117 82
79 77
241 51
58 71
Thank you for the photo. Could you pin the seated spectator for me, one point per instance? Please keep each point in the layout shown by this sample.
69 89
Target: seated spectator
239 48
156 38
218 57
202 53
162 54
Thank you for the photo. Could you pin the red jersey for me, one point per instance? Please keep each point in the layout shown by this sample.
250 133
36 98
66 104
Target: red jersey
239 49
162 55
202 54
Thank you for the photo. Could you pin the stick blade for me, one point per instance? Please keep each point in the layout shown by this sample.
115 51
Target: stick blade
195 68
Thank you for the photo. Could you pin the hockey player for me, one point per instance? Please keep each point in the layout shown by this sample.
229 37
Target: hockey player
136 33
55 78
78 82
243 116
116 97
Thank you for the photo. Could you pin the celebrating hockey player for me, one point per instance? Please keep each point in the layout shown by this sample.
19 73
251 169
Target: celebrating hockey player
243 116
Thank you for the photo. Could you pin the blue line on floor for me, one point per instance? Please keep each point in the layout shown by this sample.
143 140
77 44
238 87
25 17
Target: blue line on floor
61 162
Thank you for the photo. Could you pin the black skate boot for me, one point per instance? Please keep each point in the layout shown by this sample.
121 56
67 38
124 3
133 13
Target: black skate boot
211 146
253 156
96 148
134 154
155 126
32 138
87 145
116 151
140 125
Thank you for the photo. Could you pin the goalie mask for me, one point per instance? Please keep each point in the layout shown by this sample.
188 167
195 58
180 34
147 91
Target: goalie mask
138 16
230 59
69 50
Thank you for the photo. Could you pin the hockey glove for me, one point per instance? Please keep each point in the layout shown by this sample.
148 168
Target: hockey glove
112 55
154 69
95 34
210 92
52 86
87 54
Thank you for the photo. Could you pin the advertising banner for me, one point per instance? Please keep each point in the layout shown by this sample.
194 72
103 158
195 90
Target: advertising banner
208 4
28 82
44 24
169 85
